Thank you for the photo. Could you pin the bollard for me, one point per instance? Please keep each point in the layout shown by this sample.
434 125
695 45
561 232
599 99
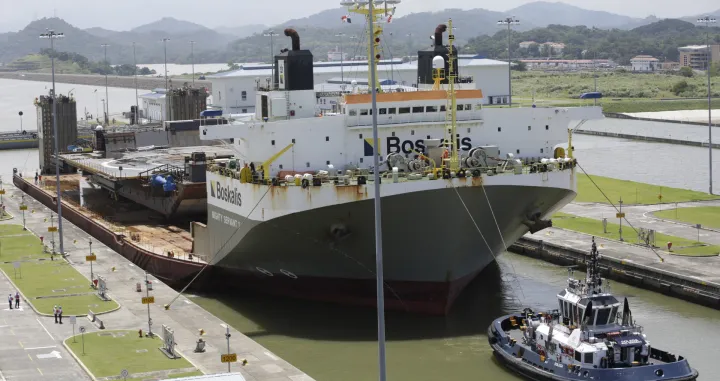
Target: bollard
140 332
138 287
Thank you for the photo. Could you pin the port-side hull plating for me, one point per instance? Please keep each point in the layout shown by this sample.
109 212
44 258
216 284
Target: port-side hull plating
431 246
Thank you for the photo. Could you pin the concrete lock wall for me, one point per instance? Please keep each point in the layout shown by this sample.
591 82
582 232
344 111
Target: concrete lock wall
170 270
665 282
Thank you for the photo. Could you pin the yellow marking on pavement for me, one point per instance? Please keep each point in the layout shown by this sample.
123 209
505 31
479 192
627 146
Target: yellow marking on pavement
41 373
12 332
30 357
21 346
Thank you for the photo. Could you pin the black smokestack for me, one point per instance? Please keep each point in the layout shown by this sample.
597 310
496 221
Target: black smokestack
294 36
438 34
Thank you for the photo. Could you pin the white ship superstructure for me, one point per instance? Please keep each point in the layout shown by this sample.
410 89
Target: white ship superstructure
459 183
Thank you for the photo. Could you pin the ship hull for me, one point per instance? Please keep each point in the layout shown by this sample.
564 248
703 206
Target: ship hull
432 247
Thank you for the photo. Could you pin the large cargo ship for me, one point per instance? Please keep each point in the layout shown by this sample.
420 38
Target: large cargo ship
300 222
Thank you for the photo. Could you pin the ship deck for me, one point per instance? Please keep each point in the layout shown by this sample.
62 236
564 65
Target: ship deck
138 162
127 218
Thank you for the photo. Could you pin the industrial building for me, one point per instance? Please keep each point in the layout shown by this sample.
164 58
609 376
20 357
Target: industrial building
181 103
66 126
696 56
234 92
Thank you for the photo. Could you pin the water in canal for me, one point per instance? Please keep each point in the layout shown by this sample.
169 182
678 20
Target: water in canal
337 343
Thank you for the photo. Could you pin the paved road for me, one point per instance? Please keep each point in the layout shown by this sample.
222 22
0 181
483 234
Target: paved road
184 317
641 216
31 345
99 80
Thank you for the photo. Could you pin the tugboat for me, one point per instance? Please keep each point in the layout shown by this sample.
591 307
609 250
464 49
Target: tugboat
586 339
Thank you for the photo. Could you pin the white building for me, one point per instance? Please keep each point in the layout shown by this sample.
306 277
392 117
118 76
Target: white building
335 55
153 105
234 92
644 63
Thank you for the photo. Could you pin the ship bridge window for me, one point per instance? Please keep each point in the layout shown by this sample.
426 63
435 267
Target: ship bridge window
391 110
603 315
499 129
382 111
578 356
404 110
364 111
529 128
243 95
588 358
468 107
352 112
460 107
547 127
442 108
613 314
431 109
418 109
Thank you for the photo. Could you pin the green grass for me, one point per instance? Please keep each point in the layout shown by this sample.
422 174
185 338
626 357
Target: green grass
681 246
108 355
611 84
40 63
54 281
633 192
707 216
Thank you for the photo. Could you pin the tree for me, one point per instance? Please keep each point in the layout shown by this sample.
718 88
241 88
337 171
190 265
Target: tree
233 66
519 66
680 87
715 69
686 71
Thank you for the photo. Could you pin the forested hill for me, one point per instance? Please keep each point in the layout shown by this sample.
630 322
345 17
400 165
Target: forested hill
659 39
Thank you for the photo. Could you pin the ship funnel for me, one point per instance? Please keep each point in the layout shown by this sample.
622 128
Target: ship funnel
294 36
438 34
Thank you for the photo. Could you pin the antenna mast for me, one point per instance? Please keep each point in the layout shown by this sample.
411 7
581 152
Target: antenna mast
454 159
374 17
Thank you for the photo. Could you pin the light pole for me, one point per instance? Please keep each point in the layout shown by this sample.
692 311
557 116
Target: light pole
52 232
107 103
707 20
51 35
137 108
509 21
192 60
147 294
97 110
342 59
20 113
91 262
379 282
271 33
165 40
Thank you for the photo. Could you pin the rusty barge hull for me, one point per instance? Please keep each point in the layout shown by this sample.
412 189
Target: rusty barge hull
174 272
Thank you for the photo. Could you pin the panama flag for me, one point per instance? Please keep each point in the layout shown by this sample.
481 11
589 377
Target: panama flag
346 19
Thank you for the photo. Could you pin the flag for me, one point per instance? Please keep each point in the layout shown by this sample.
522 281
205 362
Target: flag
346 19
389 19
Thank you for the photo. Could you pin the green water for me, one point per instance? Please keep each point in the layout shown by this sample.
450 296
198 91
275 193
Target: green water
334 343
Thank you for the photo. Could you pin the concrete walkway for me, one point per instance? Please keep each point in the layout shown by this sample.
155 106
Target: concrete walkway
640 216
184 317
702 268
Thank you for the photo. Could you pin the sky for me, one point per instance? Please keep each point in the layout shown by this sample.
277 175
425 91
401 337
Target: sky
127 14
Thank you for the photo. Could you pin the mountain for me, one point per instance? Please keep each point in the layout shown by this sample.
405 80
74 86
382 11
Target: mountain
18 44
101 32
242 30
542 13
169 25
